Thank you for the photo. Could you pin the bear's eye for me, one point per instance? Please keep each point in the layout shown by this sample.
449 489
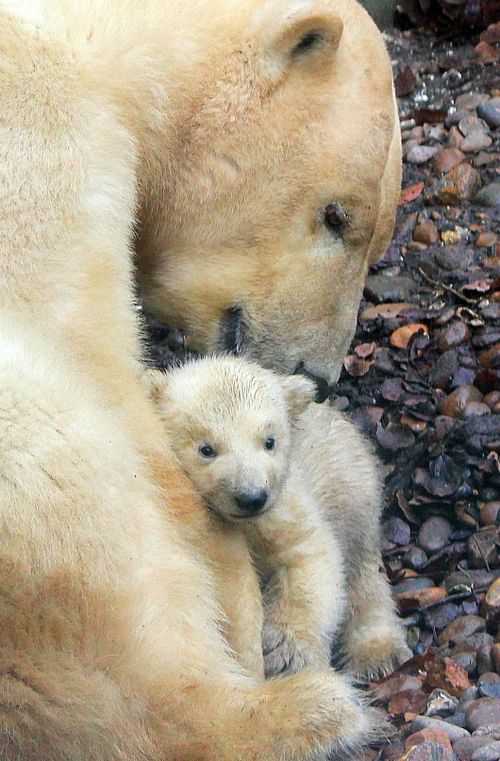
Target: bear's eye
270 443
207 451
335 219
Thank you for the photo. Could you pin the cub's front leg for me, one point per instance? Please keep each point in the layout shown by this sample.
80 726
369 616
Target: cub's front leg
303 582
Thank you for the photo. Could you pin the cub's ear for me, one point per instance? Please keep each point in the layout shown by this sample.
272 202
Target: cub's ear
299 392
155 384
307 37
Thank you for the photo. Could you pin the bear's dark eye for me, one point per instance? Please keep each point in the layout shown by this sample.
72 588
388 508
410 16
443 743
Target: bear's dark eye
335 218
207 451
270 443
308 41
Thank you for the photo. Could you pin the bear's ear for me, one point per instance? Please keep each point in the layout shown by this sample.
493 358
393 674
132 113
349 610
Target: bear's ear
307 37
155 384
299 392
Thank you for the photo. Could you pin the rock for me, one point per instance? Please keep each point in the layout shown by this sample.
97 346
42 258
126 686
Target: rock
482 548
379 288
440 703
470 100
420 154
486 53
427 233
458 185
492 597
396 531
490 357
427 751
475 141
496 656
488 196
490 752
445 369
484 240
385 311
471 579
453 405
466 658
474 409
483 159
409 145
415 558
454 334
485 662
448 258
409 701
489 113
455 138
447 159
417 598
470 124
414 582
427 722
389 687
482 713
402 336
461 629
465 747
489 512
490 689
434 534
428 735
439 618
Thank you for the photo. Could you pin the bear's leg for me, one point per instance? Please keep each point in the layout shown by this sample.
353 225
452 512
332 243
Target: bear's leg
374 642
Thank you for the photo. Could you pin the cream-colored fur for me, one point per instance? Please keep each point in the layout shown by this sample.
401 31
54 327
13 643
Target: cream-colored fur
315 537
110 643
233 246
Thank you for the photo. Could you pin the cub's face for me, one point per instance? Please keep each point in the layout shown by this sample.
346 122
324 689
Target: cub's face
230 425
282 187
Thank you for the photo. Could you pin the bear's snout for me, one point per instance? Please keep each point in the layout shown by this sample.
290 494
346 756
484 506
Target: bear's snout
251 502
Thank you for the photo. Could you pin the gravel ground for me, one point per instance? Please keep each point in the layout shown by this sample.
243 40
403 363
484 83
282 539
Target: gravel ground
422 379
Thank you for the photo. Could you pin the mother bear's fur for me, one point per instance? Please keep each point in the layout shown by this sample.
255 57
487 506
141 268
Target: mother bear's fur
110 648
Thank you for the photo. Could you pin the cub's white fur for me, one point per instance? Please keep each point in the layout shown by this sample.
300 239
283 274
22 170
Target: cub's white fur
300 483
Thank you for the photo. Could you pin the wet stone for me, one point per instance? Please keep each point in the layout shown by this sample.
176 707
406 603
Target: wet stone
489 113
489 752
442 616
454 334
488 196
380 288
482 713
461 629
429 722
440 703
454 404
427 233
482 548
434 534
396 531
465 746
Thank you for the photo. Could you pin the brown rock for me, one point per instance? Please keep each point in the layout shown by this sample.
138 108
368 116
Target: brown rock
476 141
401 337
416 598
427 233
486 53
486 239
492 598
457 185
482 713
492 399
490 357
386 311
447 159
455 138
409 701
453 405
428 735
455 334
427 751
489 512
475 409
461 629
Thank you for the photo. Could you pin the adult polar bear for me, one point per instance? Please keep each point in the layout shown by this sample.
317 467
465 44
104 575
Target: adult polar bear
279 193
109 643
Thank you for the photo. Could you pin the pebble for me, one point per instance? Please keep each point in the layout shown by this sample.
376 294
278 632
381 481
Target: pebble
488 196
447 159
475 141
445 369
484 240
402 336
439 618
461 629
490 752
482 159
473 579
428 735
475 409
471 100
482 713
440 703
492 598
415 558
490 357
482 548
470 124
408 701
428 722
489 512
490 689
427 233
379 288
454 404
454 334
466 746
459 184
434 534
490 114
396 531
420 154
427 751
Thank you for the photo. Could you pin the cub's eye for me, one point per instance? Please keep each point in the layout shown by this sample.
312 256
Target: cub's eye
207 451
270 443
335 219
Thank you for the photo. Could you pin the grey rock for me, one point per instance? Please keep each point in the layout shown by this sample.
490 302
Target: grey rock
475 141
380 288
434 534
415 558
461 630
427 722
490 114
420 154
469 101
489 752
471 124
440 703
482 713
488 196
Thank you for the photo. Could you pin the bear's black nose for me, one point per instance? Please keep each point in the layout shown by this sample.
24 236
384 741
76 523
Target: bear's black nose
251 502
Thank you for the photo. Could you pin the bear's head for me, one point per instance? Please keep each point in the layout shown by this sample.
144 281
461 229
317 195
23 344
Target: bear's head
230 422
279 185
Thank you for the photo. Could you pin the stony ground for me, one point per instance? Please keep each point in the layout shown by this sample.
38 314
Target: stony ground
423 380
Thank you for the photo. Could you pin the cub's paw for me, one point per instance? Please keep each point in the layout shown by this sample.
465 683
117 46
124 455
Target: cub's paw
282 654
375 652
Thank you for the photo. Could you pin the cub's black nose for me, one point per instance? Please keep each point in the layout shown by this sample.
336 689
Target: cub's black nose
251 502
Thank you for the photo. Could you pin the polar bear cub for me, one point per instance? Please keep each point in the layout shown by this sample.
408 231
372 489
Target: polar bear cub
299 484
